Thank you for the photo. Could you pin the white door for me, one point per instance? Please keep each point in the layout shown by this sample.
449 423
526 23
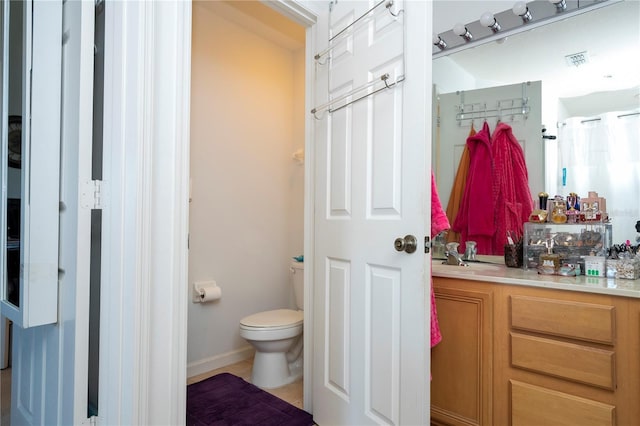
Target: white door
371 340
30 297
49 361
502 103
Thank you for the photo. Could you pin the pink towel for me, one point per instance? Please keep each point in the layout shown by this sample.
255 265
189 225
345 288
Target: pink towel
510 186
439 223
476 216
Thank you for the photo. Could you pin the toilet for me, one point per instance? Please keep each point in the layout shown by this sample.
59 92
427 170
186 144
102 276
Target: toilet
276 337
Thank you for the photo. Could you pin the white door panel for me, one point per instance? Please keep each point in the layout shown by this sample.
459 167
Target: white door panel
39 30
23 377
48 384
370 301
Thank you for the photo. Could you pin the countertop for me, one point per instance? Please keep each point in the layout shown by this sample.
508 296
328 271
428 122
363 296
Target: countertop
494 270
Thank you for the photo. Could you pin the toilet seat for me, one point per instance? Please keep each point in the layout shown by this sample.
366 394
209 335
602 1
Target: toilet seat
277 319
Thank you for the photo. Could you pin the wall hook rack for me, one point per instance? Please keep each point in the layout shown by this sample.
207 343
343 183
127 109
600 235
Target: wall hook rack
506 110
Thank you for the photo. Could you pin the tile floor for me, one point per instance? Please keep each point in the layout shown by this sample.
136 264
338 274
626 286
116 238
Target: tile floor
291 393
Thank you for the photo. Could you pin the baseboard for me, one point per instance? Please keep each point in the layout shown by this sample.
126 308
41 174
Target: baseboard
219 361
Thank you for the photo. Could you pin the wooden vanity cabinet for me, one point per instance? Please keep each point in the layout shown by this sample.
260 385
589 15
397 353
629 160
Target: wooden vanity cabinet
541 357
462 363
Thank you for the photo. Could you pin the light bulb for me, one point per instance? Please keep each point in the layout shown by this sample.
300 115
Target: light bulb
488 20
521 9
437 41
459 29
462 31
560 5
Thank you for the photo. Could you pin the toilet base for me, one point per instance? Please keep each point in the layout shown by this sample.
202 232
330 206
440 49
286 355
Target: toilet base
271 370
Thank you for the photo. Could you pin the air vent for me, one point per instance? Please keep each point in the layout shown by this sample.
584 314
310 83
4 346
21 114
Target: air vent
577 59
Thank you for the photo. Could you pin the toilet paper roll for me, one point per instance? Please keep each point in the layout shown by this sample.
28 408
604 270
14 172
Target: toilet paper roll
208 294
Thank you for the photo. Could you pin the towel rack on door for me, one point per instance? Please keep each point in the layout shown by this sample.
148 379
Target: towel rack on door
329 106
388 5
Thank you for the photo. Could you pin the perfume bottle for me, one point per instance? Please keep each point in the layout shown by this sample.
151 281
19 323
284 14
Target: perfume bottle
559 215
540 214
590 212
573 207
549 261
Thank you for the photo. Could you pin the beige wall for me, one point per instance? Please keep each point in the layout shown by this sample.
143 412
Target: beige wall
246 214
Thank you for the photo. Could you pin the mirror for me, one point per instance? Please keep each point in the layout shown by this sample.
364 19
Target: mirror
15 11
30 129
608 38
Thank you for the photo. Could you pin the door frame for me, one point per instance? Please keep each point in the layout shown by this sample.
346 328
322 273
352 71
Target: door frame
307 17
143 346
144 294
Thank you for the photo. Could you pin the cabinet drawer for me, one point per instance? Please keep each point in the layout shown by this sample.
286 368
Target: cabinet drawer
583 321
569 361
535 406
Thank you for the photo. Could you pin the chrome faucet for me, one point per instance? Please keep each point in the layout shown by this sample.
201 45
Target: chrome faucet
471 250
452 255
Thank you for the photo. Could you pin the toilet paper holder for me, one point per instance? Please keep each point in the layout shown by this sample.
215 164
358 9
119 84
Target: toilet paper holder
205 291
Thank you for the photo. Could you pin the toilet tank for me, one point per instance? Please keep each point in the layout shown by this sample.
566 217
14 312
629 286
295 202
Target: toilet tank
297 279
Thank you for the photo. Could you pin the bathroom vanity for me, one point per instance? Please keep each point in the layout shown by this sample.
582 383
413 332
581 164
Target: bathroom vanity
520 348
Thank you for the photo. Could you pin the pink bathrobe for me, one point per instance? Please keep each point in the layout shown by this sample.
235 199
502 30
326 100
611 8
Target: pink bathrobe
475 219
513 203
439 223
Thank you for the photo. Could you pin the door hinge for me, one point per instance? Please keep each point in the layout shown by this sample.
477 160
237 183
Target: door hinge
427 244
92 195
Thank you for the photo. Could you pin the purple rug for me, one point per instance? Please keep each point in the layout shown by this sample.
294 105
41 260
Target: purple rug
226 399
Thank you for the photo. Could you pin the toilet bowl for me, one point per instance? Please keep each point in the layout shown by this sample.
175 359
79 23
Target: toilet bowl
276 336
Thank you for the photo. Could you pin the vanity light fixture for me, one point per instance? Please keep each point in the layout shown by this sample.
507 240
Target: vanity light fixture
437 41
488 20
521 9
462 31
561 5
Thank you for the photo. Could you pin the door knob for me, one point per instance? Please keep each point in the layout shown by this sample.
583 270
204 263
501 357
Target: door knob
407 244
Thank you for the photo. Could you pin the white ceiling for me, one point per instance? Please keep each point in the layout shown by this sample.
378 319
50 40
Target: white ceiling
610 35
254 16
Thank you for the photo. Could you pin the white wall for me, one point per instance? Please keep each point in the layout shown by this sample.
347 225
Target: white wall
450 77
246 213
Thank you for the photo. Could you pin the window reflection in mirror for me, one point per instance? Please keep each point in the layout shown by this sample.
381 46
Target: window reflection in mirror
14 139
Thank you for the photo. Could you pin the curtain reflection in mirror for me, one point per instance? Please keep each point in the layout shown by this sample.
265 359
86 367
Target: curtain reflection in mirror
601 154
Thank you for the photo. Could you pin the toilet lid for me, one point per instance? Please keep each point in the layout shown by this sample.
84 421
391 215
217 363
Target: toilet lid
276 318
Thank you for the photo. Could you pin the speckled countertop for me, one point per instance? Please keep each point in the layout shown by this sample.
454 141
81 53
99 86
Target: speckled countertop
497 272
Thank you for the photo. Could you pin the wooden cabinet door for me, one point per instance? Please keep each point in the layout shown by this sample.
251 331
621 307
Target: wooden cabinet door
461 366
535 405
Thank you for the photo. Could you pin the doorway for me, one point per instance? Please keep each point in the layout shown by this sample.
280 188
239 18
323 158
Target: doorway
247 190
